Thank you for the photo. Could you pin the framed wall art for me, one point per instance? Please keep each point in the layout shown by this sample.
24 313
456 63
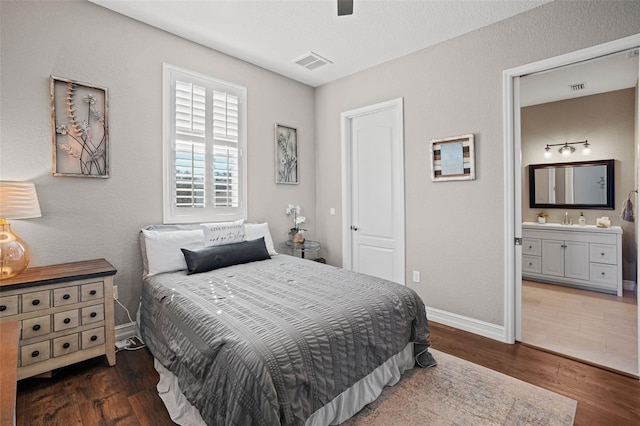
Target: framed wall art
286 140
79 127
453 158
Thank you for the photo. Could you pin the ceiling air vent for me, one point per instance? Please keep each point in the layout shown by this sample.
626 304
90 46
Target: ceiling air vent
313 61
577 86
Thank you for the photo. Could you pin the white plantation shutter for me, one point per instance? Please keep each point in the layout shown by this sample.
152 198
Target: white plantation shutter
190 108
190 174
205 170
225 117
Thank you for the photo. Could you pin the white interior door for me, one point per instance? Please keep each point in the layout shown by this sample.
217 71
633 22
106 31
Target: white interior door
374 210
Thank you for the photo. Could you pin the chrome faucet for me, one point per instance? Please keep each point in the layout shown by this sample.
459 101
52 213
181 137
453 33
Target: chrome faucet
566 218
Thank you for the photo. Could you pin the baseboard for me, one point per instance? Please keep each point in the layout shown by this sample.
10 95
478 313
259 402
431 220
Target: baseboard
124 331
629 285
492 331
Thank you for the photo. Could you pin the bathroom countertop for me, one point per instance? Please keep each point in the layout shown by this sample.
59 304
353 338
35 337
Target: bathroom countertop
578 228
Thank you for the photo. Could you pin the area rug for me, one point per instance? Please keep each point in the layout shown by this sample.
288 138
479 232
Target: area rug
458 392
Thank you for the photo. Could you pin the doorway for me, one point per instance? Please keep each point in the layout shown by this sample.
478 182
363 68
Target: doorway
513 194
373 190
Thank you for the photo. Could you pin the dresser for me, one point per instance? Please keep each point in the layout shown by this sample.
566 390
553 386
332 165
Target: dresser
579 256
65 313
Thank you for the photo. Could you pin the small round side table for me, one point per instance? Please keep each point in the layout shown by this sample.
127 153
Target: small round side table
302 248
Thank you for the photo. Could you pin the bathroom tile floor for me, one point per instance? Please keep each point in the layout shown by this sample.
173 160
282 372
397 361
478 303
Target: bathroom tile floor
595 327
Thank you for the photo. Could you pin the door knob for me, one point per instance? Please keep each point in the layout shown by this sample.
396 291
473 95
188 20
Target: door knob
354 228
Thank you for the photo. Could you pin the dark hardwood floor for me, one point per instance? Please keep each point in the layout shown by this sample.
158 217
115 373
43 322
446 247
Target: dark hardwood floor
91 393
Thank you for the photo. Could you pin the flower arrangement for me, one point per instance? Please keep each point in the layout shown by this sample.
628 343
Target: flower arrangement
294 211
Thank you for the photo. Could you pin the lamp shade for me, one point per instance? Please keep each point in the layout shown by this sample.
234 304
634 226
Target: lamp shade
18 200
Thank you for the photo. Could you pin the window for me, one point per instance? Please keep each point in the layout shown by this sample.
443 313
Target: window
204 143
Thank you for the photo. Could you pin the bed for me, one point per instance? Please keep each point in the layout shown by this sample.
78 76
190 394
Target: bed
280 340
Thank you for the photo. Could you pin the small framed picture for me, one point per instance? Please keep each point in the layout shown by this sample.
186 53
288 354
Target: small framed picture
286 140
80 128
453 158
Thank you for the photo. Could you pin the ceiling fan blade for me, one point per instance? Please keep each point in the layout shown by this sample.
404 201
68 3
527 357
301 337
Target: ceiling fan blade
345 7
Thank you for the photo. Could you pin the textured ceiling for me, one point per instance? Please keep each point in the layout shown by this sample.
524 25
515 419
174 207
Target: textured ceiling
275 34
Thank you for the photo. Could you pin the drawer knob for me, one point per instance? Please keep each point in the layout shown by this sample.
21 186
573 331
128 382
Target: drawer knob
67 320
530 247
66 296
602 273
66 345
530 264
36 302
35 354
3 308
601 254
93 292
94 338
36 327
93 315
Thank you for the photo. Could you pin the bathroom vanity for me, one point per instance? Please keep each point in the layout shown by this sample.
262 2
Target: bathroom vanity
578 256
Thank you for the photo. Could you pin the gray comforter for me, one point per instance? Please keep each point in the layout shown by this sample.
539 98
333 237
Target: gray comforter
270 342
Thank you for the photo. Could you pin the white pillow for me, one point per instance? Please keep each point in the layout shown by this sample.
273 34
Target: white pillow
162 249
254 231
219 233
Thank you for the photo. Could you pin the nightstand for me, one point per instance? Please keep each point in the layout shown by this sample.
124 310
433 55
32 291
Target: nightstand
65 313
307 247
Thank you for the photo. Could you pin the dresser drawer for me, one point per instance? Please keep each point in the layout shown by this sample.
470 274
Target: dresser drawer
94 337
93 291
92 314
603 253
65 320
531 264
65 345
65 296
8 306
531 246
36 301
604 274
38 326
36 352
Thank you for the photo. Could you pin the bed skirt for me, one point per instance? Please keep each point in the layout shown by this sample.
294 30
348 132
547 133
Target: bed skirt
341 408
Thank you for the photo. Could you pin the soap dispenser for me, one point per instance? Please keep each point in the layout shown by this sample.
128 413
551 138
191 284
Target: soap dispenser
581 220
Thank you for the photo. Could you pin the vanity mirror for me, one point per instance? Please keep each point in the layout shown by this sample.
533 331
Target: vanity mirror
575 185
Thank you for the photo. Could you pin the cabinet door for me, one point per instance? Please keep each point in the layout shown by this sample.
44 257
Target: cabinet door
576 260
553 257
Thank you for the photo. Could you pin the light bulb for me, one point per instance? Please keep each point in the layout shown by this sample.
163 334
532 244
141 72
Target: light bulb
547 153
586 149
566 151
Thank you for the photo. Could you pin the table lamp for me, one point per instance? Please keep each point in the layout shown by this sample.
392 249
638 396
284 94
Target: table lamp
18 200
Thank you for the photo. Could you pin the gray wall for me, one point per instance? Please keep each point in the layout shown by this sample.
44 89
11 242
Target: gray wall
607 121
84 218
455 230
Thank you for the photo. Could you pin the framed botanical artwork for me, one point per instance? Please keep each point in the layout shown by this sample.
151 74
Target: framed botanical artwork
453 158
286 140
80 129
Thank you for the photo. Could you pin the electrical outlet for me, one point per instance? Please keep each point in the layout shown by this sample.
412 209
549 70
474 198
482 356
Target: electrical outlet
416 276
332 211
115 291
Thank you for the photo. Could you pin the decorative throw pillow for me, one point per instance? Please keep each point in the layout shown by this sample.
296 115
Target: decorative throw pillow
215 257
219 233
162 249
254 231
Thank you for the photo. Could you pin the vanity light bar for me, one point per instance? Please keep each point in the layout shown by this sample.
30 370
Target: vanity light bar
566 148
